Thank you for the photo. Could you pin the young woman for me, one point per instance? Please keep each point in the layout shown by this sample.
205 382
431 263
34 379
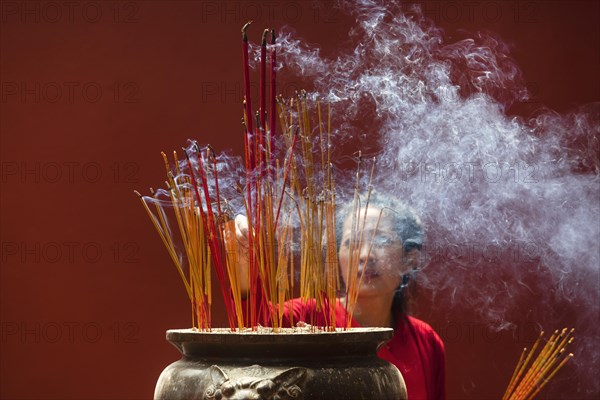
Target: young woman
386 264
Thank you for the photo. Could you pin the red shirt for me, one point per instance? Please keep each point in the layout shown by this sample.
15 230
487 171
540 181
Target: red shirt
415 349
418 352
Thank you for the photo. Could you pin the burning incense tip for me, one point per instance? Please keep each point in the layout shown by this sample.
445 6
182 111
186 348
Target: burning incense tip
244 28
264 37
212 151
138 193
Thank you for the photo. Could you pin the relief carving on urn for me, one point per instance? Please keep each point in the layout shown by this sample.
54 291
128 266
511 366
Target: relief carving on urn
251 383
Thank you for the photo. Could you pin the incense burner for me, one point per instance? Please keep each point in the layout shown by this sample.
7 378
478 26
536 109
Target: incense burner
294 363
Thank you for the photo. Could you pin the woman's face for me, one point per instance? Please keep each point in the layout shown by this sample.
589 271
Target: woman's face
379 256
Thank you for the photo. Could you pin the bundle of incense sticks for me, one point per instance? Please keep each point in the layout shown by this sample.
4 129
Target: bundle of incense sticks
356 241
532 374
284 186
203 226
313 186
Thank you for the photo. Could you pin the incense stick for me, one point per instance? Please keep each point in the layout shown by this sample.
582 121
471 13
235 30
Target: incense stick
527 381
286 179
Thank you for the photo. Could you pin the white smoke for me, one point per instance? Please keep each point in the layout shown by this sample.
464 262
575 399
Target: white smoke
511 205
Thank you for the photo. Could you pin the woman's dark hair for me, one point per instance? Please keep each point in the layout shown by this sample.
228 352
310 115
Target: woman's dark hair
407 226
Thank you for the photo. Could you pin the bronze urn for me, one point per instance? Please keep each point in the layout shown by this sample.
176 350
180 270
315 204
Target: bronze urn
294 363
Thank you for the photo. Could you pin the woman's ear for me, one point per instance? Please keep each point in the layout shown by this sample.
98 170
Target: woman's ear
411 258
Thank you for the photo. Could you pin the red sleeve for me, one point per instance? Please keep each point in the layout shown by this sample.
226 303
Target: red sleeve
295 310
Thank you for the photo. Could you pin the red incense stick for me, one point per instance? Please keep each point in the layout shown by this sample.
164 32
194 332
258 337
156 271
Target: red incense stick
263 80
246 66
208 221
273 113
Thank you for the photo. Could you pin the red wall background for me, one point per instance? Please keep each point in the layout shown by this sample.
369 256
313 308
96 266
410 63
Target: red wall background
92 91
